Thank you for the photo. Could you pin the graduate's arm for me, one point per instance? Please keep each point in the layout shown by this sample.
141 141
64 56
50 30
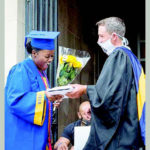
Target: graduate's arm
22 101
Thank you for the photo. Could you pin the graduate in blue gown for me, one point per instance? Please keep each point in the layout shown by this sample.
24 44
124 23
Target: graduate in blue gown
118 98
28 110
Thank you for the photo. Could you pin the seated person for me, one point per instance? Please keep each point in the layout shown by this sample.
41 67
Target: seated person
67 136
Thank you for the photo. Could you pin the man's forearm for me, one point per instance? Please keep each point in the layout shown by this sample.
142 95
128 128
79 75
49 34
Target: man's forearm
62 143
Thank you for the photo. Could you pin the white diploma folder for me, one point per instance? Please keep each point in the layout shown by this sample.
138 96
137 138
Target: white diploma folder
61 90
81 135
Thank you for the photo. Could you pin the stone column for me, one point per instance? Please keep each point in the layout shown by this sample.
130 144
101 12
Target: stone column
12 31
2 70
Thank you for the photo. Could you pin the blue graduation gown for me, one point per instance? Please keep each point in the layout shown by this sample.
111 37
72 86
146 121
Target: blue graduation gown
26 109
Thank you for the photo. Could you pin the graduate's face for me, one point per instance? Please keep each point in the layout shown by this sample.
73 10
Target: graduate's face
43 58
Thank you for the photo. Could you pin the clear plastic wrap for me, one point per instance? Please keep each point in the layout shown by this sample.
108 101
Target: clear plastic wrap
70 64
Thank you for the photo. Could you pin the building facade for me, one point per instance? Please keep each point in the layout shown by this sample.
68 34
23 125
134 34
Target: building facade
76 22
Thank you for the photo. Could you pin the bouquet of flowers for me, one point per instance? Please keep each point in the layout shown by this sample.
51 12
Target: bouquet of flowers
71 62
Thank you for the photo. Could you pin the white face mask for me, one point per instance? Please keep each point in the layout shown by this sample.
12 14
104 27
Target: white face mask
107 46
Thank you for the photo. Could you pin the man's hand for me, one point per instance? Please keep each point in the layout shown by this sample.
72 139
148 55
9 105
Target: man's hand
78 91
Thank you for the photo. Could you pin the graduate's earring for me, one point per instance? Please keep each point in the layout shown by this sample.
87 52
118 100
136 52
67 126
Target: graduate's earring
34 53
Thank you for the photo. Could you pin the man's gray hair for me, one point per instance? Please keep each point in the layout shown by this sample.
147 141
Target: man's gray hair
113 24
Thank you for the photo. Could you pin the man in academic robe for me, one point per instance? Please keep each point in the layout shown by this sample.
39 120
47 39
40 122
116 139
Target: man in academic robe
117 119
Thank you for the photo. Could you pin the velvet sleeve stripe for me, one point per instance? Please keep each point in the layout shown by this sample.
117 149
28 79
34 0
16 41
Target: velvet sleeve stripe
141 94
40 108
140 88
141 102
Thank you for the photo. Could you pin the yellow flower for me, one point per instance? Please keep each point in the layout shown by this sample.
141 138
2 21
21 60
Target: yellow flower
70 64
77 64
71 58
61 59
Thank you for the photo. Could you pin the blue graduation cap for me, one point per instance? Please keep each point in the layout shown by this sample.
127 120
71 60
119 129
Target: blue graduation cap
42 39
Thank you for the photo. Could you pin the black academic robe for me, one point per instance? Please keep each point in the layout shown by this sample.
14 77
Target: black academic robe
114 109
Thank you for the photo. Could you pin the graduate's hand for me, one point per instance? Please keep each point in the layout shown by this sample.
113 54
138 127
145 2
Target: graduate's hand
53 97
72 148
57 103
78 91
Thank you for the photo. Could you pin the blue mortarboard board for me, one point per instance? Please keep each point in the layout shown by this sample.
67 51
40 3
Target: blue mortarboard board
42 39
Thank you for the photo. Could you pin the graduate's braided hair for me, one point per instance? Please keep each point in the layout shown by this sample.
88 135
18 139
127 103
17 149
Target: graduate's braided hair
30 48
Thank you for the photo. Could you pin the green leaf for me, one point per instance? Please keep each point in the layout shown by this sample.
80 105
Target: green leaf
61 66
72 74
61 73
62 81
